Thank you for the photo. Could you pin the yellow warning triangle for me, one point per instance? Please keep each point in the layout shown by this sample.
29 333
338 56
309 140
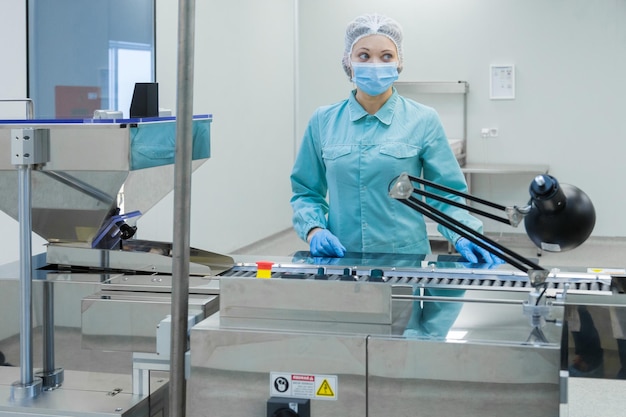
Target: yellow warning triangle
325 390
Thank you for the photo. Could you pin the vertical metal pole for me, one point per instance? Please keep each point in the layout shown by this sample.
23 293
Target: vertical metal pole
26 322
48 327
296 77
182 204
27 386
29 147
51 377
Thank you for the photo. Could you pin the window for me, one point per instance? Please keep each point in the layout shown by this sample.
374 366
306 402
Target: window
129 63
86 55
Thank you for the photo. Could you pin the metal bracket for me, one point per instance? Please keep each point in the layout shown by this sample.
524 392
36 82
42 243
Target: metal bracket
30 146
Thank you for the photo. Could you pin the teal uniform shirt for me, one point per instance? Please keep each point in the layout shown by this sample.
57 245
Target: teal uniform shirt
348 159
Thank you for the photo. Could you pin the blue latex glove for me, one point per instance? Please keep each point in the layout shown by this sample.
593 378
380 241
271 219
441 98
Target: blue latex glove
475 254
324 243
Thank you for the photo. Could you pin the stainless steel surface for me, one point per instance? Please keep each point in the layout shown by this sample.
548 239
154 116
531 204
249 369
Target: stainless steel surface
84 188
102 147
487 357
89 172
88 394
128 321
244 390
112 319
377 375
162 284
244 302
461 379
595 342
117 312
230 369
138 256
86 386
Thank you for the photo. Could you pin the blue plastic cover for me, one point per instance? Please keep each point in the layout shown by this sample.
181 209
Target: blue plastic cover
154 144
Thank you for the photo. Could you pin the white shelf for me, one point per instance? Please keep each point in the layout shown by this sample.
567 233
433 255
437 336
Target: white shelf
432 87
499 169
505 169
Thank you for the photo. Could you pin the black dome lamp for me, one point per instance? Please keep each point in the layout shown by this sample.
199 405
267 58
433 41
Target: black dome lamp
561 216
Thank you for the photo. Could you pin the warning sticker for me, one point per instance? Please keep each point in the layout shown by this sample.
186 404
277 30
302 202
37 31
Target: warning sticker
319 387
325 390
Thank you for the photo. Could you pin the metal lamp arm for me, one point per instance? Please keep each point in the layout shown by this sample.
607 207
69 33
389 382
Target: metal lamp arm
518 261
403 191
472 209
514 214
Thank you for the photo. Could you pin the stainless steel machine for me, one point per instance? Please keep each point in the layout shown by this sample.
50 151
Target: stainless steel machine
365 335
389 334
90 181
382 335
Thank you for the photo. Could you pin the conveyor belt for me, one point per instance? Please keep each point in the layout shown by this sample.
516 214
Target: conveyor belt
426 277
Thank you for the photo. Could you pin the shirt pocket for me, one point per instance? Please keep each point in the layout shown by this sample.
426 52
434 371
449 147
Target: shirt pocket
333 152
399 150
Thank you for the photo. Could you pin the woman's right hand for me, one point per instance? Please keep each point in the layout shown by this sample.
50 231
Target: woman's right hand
324 243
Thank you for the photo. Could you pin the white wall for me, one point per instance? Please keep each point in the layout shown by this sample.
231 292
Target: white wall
244 76
569 57
13 86
13 79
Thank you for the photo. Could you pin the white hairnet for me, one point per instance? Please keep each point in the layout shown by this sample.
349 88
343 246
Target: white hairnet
371 24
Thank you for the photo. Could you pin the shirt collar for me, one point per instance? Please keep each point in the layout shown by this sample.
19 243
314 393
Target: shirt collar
384 114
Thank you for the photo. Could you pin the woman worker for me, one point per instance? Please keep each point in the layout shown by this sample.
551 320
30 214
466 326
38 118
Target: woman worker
353 149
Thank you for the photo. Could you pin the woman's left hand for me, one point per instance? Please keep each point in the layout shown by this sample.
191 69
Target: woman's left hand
475 254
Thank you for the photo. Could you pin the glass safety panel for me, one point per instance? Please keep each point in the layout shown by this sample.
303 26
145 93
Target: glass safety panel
88 55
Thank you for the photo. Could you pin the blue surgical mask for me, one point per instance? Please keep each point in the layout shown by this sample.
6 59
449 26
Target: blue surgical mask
374 79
